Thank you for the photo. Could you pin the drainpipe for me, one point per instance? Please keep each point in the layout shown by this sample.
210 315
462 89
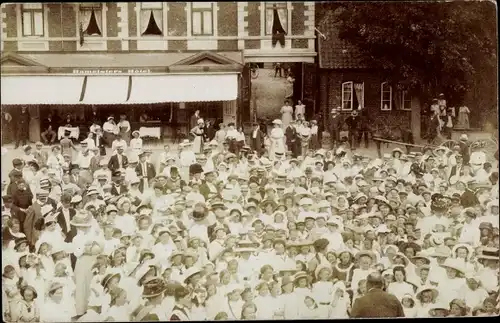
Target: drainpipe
62 32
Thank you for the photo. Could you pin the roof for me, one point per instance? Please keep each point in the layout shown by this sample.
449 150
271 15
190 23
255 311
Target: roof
118 60
335 53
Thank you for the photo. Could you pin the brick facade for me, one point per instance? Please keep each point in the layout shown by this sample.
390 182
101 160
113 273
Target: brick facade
330 93
241 20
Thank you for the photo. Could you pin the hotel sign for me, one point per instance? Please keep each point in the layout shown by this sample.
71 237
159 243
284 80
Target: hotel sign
112 71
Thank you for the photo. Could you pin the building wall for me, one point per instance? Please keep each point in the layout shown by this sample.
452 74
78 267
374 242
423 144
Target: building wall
236 26
330 95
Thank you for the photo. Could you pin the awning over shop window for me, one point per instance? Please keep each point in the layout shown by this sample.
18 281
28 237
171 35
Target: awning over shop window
106 90
41 89
184 88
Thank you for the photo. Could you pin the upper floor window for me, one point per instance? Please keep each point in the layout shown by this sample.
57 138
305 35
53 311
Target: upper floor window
385 97
32 18
276 18
202 16
151 18
91 18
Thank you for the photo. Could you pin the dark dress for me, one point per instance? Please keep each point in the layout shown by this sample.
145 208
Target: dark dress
377 303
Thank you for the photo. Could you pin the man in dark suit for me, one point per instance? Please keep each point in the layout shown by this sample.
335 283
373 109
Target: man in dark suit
118 160
334 126
376 302
64 216
257 139
353 124
208 188
218 209
145 171
457 170
118 187
292 139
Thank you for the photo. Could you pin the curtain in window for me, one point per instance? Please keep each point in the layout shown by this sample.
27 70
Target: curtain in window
151 22
269 22
277 27
90 22
358 89
283 17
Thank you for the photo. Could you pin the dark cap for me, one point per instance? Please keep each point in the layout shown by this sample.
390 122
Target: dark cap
321 244
7 198
117 173
17 162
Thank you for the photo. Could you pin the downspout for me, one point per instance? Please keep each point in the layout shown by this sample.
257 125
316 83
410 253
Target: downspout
62 30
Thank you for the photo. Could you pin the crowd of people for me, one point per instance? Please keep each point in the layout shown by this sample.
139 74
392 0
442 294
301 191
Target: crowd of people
224 229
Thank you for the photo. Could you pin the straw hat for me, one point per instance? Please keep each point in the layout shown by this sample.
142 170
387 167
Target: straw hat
421 289
54 286
81 219
470 251
454 263
107 279
153 287
277 121
299 275
438 306
368 253
191 272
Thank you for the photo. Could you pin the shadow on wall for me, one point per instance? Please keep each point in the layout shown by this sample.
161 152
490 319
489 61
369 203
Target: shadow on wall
269 94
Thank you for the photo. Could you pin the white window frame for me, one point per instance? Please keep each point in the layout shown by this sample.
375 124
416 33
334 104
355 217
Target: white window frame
87 6
402 98
194 9
142 8
352 95
31 8
383 101
280 5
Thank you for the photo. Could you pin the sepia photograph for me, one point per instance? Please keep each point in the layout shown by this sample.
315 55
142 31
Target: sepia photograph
249 160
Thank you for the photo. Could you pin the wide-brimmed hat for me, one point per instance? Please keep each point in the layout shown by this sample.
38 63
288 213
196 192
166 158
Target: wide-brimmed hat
108 277
421 255
54 286
454 263
153 287
438 306
488 253
299 275
421 289
277 121
368 253
190 273
441 251
82 218
470 250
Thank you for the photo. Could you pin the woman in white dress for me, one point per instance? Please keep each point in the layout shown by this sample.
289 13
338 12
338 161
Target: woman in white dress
300 109
87 246
463 117
400 287
55 309
286 114
277 139
198 133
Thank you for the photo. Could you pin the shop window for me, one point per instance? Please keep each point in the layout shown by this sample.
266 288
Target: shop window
91 19
151 18
353 96
32 19
202 19
385 97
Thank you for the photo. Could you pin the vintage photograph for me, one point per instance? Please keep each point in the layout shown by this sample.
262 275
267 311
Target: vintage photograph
199 161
